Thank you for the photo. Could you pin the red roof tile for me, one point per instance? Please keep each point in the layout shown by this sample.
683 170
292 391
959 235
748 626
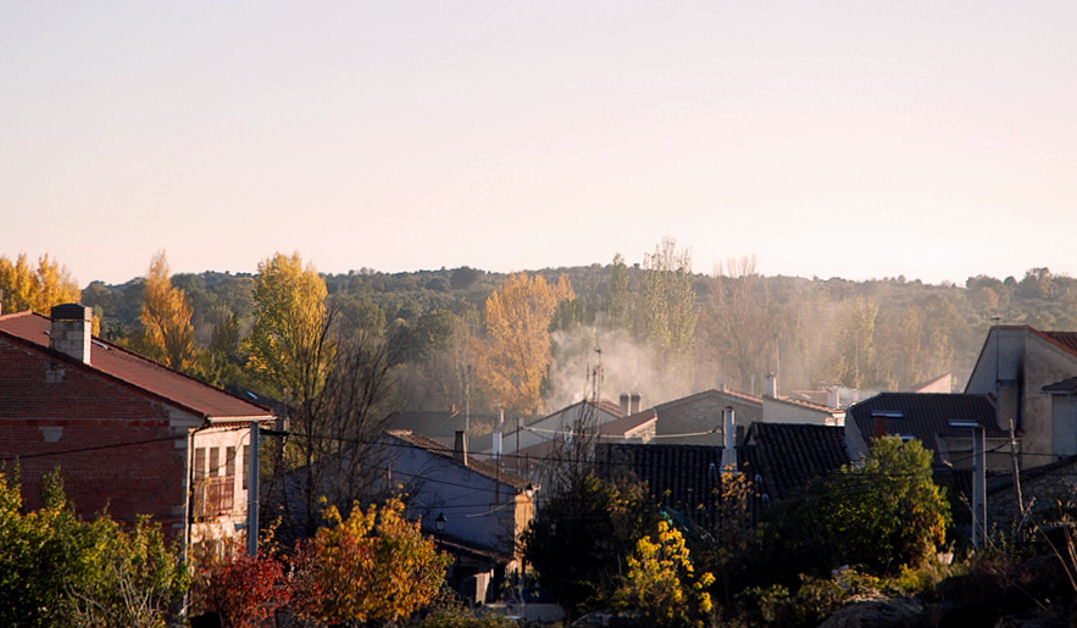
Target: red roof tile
118 363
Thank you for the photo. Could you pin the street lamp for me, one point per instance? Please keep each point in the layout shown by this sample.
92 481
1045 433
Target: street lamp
439 523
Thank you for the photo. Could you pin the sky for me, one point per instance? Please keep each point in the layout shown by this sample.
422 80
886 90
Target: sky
935 140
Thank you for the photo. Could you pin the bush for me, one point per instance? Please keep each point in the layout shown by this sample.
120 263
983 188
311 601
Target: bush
243 590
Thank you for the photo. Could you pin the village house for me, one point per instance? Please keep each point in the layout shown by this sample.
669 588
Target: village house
128 435
1020 366
697 419
474 508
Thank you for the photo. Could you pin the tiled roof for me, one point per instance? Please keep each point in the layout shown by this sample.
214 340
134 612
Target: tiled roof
783 457
1066 385
625 425
684 477
925 415
120 364
1064 339
811 405
481 467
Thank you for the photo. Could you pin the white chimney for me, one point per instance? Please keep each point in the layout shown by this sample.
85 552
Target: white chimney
459 450
729 441
833 397
772 386
72 331
497 443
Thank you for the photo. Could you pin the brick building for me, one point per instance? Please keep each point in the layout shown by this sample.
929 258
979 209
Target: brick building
127 434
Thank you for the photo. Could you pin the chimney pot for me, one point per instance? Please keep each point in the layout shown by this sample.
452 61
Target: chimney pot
772 385
624 404
460 447
72 329
729 441
633 403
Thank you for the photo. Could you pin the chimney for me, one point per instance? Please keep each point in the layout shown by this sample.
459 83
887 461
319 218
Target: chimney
459 450
833 397
729 441
633 403
71 333
772 386
624 404
497 443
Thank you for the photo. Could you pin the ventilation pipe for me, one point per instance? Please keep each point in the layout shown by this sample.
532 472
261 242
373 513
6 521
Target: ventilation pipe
729 441
459 449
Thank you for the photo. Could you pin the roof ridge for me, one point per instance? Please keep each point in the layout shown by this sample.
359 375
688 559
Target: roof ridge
18 314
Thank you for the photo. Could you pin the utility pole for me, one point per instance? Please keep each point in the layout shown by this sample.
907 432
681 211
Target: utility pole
253 491
979 483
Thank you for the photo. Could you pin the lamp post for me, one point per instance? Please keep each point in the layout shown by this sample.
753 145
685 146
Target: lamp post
439 523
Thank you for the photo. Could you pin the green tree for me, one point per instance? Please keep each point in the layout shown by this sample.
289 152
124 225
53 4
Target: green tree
374 566
883 514
661 583
581 538
56 569
669 309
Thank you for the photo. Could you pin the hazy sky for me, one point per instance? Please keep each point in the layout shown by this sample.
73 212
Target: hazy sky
857 139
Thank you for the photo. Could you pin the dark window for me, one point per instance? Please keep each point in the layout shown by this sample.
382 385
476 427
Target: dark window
245 470
214 461
200 463
230 461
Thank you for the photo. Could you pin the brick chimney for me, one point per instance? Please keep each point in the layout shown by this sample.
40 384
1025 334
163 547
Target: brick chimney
71 333
459 450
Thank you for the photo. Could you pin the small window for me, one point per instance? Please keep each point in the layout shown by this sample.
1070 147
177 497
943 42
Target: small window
230 461
214 461
245 469
199 463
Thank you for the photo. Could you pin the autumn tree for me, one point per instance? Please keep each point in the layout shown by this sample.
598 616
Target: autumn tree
166 316
516 355
243 590
661 583
373 566
23 287
289 344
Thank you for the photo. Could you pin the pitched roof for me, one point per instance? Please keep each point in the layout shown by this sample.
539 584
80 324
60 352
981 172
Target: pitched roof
117 363
684 477
1065 339
481 467
1064 386
811 405
625 425
925 416
739 396
784 457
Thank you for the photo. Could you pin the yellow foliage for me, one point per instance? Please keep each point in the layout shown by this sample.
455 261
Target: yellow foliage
661 582
373 566
37 289
288 344
516 356
167 313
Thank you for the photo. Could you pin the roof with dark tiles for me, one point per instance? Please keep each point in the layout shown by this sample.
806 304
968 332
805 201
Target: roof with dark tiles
784 457
925 416
482 467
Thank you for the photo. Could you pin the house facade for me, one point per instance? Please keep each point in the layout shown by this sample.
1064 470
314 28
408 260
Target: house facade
128 435
1016 364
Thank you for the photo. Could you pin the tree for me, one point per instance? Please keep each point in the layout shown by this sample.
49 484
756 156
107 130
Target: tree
582 535
661 583
373 566
37 289
243 590
741 321
881 515
517 352
56 569
669 309
289 345
166 315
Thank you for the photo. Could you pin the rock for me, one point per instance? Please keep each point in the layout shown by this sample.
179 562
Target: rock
879 612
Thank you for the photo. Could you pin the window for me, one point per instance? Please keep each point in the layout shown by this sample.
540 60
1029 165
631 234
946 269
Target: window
230 462
214 461
245 469
199 463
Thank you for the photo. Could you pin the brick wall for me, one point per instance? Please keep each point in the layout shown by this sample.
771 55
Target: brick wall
48 406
